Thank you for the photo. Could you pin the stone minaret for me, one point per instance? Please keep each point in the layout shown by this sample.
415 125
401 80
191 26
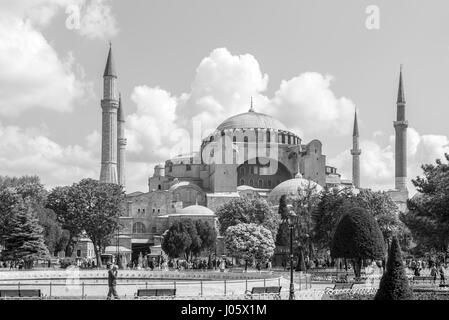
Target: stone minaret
121 142
109 104
400 125
355 152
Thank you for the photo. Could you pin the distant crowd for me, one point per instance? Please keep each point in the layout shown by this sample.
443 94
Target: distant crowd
179 264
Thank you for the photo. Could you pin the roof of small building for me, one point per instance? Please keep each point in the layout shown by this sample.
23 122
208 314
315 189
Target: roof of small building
291 187
194 210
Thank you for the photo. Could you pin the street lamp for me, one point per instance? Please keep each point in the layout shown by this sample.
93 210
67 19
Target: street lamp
290 220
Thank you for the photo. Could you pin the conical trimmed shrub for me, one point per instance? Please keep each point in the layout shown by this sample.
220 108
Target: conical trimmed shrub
358 237
394 283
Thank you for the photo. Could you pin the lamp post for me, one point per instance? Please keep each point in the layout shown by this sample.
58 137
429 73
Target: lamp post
290 221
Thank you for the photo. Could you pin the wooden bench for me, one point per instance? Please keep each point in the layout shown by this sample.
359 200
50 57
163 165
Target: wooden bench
417 279
340 286
157 292
23 293
275 291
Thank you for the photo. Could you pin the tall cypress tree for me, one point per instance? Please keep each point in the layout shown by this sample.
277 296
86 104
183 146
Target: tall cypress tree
26 238
282 237
394 283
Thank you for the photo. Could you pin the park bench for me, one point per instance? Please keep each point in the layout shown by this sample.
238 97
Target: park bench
270 291
340 286
23 293
157 292
418 279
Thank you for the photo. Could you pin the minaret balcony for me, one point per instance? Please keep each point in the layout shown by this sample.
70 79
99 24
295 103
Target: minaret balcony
402 123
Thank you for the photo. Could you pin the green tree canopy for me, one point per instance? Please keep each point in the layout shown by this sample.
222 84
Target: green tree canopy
25 239
358 237
428 216
282 237
394 283
250 242
60 201
335 203
177 240
244 210
32 192
207 234
98 205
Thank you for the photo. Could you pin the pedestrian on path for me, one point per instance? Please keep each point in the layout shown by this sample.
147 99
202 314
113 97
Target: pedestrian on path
112 282
442 277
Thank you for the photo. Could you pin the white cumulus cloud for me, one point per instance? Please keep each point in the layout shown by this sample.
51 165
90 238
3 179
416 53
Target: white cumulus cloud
377 162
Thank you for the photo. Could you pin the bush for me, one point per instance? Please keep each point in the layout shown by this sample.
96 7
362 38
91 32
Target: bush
358 237
394 283
65 262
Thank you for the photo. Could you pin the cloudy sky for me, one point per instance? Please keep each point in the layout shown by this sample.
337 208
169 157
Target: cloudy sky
308 63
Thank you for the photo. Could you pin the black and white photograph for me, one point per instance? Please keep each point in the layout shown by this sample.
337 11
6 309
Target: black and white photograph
186 153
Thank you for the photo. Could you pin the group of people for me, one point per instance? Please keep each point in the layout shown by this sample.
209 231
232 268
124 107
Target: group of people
436 269
13 265
177 264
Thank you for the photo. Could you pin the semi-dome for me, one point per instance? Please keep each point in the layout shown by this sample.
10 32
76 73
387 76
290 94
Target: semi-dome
291 187
252 119
195 210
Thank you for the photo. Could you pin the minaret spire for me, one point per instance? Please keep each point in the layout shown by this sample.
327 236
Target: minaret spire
109 105
355 152
109 70
401 94
400 126
251 109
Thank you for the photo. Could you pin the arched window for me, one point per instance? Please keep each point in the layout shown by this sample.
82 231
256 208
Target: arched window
242 182
260 183
138 227
159 187
251 182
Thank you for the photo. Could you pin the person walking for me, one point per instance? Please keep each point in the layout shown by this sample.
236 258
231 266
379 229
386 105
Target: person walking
442 277
112 282
434 272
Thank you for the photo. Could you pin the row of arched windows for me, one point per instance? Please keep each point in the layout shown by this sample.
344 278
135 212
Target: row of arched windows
282 138
258 183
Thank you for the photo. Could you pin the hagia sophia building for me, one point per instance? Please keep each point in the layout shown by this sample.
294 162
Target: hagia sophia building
249 155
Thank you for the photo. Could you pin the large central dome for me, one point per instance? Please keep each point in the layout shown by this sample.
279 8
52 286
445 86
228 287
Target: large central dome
252 120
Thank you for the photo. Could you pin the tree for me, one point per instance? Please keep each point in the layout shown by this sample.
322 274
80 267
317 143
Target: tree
54 235
99 206
30 189
380 205
331 208
25 241
358 237
207 234
428 217
250 242
9 199
176 241
394 283
304 205
283 237
244 210
60 200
